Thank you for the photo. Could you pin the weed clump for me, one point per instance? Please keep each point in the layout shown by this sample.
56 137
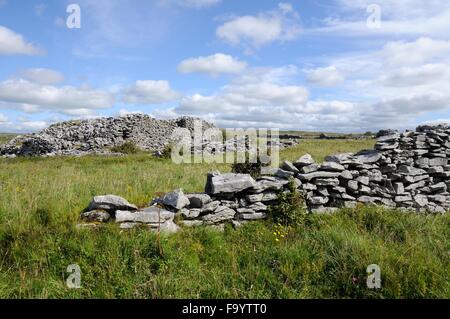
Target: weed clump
253 168
290 208
126 148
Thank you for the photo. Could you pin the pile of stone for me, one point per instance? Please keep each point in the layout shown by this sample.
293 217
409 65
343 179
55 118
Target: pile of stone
98 136
103 209
228 198
408 170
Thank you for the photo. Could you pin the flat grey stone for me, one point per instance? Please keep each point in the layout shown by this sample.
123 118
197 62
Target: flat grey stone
198 200
310 168
304 160
332 167
110 203
221 214
190 213
326 181
210 207
96 216
228 183
276 172
319 174
148 215
346 175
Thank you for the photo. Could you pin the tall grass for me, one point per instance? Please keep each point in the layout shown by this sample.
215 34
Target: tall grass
327 256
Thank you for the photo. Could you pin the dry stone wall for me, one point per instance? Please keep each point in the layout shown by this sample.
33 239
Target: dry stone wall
407 171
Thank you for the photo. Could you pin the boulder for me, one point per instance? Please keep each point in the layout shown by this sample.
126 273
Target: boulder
228 183
175 199
288 166
303 161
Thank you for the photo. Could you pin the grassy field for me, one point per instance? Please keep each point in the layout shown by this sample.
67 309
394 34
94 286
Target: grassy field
327 257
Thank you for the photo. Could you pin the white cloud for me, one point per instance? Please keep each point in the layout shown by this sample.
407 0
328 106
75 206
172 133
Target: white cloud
123 112
41 76
3 118
397 86
403 17
419 51
67 99
149 92
326 76
213 65
377 89
256 31
199 3
22 126
413 76
260 97
14 43
32 125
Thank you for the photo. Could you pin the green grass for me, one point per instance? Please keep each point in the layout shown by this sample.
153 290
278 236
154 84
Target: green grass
319 149
326 257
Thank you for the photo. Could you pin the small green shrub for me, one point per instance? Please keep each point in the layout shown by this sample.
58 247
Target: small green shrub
166 152
126 148
289 209
254 169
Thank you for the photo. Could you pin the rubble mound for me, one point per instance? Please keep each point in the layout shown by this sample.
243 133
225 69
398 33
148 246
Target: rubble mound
98 136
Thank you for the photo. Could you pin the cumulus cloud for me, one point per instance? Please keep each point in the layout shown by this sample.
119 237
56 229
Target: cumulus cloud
326 76
257 98
41 76
376 92
255 31
401 83
213 64
66 99
149 92
14 43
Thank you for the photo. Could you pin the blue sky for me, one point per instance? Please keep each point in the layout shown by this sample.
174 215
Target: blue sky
329 65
